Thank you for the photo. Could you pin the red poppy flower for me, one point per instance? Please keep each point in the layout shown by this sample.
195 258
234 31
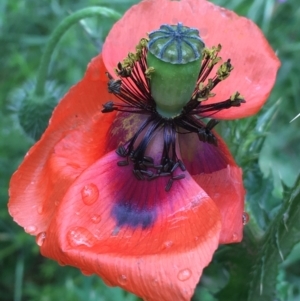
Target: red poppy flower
80 196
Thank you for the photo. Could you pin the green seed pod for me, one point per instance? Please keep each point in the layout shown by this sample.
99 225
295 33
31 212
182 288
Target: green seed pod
175 53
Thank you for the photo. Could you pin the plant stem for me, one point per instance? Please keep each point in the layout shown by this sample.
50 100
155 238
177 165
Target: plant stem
59 32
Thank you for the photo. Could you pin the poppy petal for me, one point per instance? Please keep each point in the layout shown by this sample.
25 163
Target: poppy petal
216 172
122 128
226 188
133 233
63 152
255 63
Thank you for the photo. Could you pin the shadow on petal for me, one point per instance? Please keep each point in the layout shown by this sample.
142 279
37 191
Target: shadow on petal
216 172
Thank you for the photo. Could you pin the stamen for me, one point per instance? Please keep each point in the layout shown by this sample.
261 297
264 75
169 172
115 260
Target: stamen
169 185
178 177
108 107
114 86
181 165
121 151
123 163
132 88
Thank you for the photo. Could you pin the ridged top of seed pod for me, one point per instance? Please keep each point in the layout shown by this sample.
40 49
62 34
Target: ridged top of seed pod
175 44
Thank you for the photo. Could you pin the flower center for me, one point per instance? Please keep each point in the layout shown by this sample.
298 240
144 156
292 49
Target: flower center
168 81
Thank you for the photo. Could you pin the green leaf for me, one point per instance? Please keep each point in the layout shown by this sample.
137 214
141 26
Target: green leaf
260 201
254 264
282 235
233 257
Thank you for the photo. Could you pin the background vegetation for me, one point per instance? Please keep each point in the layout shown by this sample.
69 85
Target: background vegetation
266 266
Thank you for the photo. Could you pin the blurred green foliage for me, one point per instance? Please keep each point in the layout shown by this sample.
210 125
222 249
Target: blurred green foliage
266 146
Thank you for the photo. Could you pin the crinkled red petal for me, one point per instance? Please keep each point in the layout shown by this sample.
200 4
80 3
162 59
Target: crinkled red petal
216 172
74 139
255 63
132 233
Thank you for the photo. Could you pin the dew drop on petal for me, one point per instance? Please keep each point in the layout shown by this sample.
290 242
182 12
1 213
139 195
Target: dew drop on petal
30 229
168 244
96 218
155 282
78 236
246 218
122 279
225 13
203 33
56 203
234 237
184 274
40 209
90 194
40 238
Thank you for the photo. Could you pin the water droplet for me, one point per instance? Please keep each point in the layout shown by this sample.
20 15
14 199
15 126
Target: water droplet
234 237
203 33
225 13
246 218
90 194
168 244
56 203
155 282
40 209
122 279
78 236
249 80
96 218
40 238
30 229
86 273
196 238
184 274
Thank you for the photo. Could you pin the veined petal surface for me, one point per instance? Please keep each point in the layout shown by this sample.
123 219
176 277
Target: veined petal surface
158 254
